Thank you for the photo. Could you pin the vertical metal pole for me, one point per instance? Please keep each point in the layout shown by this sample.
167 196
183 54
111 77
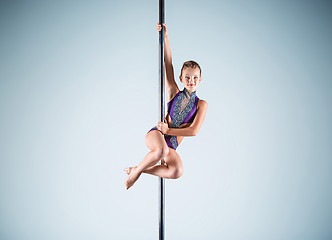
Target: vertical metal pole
162 116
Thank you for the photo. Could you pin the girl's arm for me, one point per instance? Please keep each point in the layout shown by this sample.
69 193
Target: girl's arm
171 86
193 129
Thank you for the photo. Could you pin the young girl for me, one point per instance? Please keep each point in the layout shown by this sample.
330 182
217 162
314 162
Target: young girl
184 118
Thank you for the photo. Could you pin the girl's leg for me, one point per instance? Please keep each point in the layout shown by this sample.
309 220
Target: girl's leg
159 150
173 170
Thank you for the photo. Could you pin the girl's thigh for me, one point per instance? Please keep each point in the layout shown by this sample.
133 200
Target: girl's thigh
173 160
155 140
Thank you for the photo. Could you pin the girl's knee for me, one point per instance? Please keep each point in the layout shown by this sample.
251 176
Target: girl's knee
176 173
162 152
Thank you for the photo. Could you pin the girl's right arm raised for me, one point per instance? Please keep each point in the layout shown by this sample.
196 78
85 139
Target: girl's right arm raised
171 86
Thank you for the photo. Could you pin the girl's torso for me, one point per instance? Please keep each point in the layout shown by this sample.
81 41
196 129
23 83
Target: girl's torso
181 111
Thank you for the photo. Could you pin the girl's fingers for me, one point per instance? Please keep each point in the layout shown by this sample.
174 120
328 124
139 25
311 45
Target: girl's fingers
159 27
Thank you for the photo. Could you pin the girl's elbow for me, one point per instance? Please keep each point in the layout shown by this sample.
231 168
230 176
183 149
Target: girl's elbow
194 132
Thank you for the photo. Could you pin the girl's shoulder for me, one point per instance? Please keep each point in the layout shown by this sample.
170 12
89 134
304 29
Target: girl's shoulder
202 103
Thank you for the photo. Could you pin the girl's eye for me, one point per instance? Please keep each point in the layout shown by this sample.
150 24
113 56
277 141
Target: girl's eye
196 77
187 77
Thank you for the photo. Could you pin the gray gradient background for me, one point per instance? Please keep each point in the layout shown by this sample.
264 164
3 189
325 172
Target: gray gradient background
79 91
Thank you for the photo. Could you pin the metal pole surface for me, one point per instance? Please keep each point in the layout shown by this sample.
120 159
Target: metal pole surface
162 116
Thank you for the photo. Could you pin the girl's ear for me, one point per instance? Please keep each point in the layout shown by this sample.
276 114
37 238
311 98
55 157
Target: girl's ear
180 78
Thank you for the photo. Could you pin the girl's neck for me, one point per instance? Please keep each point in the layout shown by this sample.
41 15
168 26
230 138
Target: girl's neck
187 93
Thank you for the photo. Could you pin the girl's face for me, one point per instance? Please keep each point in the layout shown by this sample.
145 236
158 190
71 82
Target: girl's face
190 78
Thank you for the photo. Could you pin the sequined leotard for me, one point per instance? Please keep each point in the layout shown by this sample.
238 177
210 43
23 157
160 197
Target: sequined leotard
182 110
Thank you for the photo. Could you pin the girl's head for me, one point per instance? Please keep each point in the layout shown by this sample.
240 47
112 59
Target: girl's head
191 64
191 75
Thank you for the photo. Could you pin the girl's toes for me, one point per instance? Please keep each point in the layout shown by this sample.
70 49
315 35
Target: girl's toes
127 170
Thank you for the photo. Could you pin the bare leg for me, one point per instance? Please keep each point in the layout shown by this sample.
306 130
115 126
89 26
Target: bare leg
152 158
172 170
157 170
159 150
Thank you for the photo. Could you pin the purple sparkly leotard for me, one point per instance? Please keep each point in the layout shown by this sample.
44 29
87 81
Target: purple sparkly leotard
182 109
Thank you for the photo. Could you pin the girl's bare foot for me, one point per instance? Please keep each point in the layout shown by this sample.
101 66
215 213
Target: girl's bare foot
128 170
132 177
